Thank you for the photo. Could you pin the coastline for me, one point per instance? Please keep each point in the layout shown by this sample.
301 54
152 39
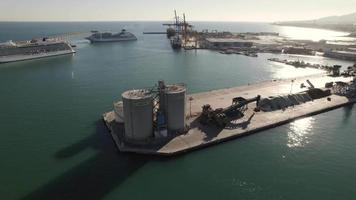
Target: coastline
348 28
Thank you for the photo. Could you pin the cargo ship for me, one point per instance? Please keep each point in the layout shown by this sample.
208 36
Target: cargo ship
34 49
97 37
176 42
178 31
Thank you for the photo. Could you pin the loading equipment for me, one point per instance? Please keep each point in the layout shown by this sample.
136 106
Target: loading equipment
222 116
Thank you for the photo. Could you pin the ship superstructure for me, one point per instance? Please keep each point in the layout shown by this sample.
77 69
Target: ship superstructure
26 50
176 42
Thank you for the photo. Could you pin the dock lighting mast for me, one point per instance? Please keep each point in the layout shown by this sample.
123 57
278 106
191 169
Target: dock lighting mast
184 29
291 86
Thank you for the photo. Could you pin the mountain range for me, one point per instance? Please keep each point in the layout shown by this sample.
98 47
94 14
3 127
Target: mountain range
342 19
341 23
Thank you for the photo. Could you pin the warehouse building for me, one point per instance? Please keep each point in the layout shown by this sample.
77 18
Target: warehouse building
218 43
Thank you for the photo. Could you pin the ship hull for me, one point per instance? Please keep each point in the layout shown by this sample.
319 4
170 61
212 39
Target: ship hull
176 46
95 40
16 58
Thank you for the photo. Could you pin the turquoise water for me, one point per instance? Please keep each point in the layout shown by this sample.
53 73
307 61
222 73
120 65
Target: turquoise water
53 144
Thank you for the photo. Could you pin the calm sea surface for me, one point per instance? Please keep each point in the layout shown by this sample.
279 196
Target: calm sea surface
53 144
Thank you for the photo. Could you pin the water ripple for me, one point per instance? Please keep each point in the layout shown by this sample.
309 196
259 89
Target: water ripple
299 132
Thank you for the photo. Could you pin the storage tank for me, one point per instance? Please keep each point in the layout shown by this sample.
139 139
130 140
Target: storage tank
119 112
138 114
174 103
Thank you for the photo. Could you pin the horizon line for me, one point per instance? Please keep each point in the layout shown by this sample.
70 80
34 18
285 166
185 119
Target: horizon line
246 21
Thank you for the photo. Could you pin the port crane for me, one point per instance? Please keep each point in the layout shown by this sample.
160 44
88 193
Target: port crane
180 27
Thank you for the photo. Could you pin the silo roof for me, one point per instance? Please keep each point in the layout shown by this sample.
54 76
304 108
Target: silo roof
175 88
137 94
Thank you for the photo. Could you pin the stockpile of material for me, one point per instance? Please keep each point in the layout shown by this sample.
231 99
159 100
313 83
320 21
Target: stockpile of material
283 102
345 89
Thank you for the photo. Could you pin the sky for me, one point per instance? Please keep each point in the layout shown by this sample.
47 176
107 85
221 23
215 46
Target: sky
162 10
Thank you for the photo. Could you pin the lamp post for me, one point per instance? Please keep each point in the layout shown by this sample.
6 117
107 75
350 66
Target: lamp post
291 86
190 106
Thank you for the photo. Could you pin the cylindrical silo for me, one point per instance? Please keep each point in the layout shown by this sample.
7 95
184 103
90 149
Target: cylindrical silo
175 107
138 114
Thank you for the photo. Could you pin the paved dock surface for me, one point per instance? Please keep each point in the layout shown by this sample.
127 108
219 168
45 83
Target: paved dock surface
200 135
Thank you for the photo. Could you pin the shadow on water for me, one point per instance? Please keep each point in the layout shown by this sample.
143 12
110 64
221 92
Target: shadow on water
95 177
61 60
348 112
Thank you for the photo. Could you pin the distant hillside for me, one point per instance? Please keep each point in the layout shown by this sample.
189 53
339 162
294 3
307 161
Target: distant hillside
341 23
343 19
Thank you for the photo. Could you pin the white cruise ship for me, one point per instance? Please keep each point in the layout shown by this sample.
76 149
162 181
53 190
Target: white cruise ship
110 37
18 51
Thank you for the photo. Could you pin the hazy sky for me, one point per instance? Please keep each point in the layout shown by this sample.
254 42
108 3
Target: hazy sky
197 10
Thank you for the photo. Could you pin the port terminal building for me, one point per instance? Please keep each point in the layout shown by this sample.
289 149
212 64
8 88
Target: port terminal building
218 43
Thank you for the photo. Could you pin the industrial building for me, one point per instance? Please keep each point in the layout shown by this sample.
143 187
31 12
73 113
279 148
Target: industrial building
150 114
298 50
218 43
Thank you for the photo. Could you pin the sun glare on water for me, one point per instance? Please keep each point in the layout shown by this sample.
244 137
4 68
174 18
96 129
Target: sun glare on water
299 132
314 34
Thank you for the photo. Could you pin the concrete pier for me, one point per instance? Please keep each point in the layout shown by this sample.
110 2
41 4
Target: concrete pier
199 136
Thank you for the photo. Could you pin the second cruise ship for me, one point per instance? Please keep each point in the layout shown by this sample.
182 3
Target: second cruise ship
110 37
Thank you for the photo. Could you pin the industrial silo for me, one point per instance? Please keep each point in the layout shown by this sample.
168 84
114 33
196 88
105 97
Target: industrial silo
138 114
174 103
119 112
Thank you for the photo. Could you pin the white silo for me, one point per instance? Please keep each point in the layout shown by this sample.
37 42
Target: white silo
119 112
138 114
174 103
